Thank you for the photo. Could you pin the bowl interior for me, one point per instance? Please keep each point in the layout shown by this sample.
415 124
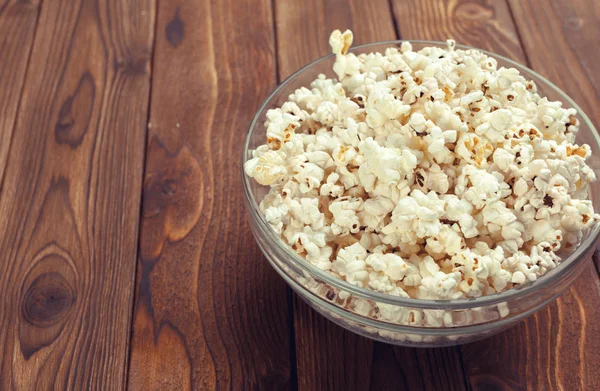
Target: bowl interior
303 77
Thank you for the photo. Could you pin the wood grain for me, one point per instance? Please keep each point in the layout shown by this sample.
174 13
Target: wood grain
483 24
70 204
17 26
329 357
303 28
562 39
210 313
558 348
332 358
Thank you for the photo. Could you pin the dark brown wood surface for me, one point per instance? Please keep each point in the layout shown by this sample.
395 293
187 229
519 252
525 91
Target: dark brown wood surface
210 312
70 202
124 116
17 26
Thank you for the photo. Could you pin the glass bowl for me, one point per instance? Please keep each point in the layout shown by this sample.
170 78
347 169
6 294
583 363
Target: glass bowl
393 319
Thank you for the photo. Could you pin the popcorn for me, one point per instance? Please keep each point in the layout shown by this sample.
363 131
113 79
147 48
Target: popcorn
331 188
497 126
312 244
305 211
474 149
392 265
430 174
388 165
350 262
416 216
345 218
340 42
439 286
448 241
308 175
343 155
374 211
382 106
266 169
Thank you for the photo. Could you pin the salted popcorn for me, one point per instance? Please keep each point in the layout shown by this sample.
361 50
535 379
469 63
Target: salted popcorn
430 174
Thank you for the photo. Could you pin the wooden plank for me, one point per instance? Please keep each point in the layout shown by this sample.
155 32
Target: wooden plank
485 24
562 40
17 26
70 205
332 358
329 357
300 42
558 348
210 312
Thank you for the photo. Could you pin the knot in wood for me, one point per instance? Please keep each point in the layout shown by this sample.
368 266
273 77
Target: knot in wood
134 64
574 23
48 299
175 31
473 12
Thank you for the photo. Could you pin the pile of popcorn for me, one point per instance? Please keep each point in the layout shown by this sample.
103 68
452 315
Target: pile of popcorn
430 174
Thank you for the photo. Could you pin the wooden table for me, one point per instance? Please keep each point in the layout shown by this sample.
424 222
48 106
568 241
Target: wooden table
126 258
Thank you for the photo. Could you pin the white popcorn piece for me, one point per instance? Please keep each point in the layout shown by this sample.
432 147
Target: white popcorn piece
275 216
266 169
382 106
331 188
343 155
350 263
320 158
305 211
474 149
497 126
309 176
312 243
448 241
392 265
345 217
415 216
439 286
388 165
374 211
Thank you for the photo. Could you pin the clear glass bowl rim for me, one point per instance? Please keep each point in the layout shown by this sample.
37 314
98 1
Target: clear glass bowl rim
458 304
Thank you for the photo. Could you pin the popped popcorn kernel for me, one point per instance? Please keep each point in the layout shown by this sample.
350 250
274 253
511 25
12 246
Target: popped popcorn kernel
340 42
266 169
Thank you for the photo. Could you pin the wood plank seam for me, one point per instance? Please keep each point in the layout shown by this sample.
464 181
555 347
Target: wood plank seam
292 327
394 19
289 293
518 31
463 367
144 165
